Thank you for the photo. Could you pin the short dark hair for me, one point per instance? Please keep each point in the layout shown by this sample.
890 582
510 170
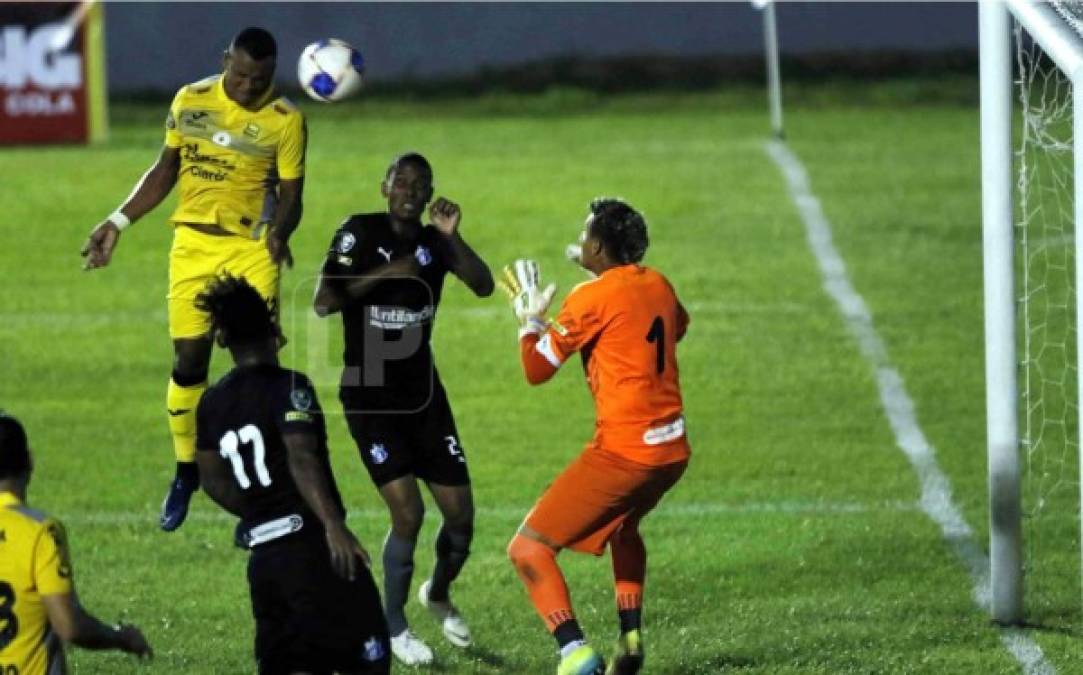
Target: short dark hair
238 310
256 42
621 229
14 450
415 158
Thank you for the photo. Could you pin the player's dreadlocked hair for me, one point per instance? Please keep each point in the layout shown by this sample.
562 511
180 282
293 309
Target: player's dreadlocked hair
238 310
415 158
621 228
256 42
14 450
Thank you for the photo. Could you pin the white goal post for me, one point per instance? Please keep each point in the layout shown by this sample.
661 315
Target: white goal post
1064 47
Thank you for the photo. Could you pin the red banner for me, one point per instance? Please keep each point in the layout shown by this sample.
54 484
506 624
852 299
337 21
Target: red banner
50 72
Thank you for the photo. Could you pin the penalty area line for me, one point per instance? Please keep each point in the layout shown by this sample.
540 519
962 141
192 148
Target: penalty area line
936 500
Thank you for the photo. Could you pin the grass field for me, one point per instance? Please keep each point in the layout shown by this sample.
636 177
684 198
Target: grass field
794 544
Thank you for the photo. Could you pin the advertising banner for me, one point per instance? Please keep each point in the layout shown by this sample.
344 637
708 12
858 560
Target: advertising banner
52 73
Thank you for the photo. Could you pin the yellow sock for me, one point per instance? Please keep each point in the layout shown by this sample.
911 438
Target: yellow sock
180 403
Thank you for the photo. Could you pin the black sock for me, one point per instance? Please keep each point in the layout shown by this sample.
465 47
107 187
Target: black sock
188 472
452 548
398 571
629 619
191 380
567 632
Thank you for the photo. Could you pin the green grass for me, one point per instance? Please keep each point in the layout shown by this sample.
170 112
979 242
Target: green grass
794 543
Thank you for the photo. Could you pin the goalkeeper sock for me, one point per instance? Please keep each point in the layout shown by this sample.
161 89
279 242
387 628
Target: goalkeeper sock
536 564
398 571
452 548
180 403
629 572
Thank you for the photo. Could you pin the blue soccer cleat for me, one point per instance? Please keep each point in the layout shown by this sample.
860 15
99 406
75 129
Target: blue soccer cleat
175 506
582 661
629 657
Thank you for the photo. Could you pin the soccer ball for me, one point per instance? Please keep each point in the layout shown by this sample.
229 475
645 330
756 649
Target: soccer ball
330 70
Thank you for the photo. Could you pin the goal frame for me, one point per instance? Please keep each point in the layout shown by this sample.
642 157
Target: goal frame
1065 48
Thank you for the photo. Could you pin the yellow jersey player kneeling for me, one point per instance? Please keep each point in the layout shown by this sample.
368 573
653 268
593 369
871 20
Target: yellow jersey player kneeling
38 604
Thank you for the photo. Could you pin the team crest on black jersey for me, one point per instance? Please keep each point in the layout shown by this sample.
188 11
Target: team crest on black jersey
374 651
346 242
301 399
378 453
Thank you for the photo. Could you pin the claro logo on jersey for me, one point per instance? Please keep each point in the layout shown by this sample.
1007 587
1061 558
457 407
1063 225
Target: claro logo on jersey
37 74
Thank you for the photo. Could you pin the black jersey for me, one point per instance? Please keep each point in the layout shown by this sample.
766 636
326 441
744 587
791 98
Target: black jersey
242 419
389 365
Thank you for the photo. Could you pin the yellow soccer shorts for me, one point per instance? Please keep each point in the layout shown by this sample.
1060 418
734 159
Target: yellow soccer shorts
197 258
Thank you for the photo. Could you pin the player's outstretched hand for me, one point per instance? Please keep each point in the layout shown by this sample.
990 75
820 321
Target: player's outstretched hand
99 246
279 249
345 551
133 641
446 216
528 302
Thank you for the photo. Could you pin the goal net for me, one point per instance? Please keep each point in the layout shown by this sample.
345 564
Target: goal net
1047 333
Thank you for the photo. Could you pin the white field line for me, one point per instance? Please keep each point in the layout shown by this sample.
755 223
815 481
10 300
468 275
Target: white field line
936 500
514 512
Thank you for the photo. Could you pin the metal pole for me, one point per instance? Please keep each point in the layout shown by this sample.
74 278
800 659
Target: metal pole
774 86
1077 150
1001 389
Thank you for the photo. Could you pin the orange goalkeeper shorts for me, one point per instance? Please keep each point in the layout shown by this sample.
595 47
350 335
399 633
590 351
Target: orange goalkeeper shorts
596 494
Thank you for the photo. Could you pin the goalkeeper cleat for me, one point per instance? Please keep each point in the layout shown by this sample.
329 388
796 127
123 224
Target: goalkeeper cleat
451 622
582 661
629 657
175 506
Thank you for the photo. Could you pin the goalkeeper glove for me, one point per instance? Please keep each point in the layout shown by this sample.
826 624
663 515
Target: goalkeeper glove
520 284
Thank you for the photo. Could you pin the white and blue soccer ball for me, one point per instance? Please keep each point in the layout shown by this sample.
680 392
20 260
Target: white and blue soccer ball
330 70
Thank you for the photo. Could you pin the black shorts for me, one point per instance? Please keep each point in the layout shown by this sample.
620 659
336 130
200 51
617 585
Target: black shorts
308 618
425 443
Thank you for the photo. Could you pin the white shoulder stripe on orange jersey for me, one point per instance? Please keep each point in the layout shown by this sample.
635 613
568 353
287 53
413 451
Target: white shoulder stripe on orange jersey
544 347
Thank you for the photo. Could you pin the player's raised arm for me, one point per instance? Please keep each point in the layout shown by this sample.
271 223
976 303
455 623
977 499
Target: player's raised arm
151 189
310 475
332 291
530 304
340 281
465 263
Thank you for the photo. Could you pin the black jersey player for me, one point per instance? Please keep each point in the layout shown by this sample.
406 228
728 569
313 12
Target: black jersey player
262 455
385 272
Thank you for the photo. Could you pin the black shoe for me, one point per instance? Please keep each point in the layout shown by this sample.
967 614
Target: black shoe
175 506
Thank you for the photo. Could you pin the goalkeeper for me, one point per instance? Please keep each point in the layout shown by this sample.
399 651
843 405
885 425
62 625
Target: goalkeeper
625 323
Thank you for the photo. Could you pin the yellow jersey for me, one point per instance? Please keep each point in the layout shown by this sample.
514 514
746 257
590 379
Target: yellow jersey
34 562
231 157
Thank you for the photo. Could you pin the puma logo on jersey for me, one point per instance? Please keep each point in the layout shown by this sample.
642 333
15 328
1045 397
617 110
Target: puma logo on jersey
385 254
178 412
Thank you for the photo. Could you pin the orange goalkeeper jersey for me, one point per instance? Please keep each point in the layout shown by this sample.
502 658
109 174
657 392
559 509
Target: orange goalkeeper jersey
625 324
